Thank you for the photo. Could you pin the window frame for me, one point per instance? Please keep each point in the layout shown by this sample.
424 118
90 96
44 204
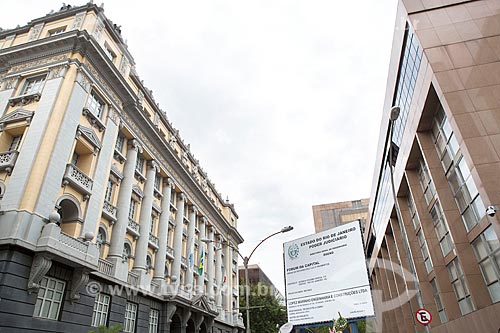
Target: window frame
38 82
42 300
95 104
101 310
130 318
154 315
459 283
491 255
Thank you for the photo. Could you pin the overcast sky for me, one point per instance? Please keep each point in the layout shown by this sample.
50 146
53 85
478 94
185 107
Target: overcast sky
280 100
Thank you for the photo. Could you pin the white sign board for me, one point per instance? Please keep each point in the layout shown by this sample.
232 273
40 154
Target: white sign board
326 273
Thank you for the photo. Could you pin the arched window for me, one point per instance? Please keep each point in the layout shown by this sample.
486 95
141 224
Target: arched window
149 262
101 240
166 275
69 209
127 251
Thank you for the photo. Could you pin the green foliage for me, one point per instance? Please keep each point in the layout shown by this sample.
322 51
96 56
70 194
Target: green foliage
266 313
113 329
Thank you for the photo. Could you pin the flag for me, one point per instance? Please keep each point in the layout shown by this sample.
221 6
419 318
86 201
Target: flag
202 262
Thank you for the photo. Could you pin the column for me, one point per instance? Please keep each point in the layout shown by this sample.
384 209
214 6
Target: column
141 248
202 250
160 260
193 211
179 224
230 253
218 274
209 263
123 205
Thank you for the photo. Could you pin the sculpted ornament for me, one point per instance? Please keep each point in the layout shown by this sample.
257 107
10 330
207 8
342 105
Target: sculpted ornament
40 266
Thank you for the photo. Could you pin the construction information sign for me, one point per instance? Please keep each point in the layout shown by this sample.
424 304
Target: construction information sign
326 274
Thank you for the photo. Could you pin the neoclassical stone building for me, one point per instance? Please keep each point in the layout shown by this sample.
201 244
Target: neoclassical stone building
103 207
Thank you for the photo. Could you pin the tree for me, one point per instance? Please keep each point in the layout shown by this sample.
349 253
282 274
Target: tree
266 313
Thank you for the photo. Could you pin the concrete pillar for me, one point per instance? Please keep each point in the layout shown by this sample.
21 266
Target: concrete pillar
123 206
209 264
179 225
141 248
160 261
202 251
193 211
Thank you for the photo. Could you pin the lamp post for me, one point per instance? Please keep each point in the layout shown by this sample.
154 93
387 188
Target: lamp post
246 259
394 115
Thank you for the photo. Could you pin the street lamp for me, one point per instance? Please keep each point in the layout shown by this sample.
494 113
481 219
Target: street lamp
245 264
394 115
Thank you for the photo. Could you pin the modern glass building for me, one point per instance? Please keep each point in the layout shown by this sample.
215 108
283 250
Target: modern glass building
430 243
104 209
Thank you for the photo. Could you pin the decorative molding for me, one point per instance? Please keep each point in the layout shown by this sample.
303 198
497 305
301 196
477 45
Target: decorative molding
93 119
156 207
98 29
35 31
16 116
90 136
106 87
79 280
57 71
38 63
78 22
171 308
193 209
24 99
116 175
186 315
11 82
135 145
83 80
114 115
40 266
138 192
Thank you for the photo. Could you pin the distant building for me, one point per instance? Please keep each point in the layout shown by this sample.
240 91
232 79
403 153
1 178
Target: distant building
256 275
331 215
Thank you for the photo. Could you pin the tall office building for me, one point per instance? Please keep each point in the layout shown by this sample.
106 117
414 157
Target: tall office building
255 276
332 215
444 76
104 209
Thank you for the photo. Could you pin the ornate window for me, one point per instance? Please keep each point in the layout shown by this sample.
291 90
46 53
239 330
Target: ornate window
50 298
101 310
127 251
120 140
95 104
101 240
132 209
33 85
108 196
149 261
56 31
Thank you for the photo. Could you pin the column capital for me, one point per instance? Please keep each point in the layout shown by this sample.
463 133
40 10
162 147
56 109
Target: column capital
135 145
182 196
203 220
154 165
193 209
167 181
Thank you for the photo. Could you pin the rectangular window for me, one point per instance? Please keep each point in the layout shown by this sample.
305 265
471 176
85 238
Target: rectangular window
120 140
95 104
424 250
152 225
74 158
139 164
109 53
426 182
413 212
460 288
109 191
57 31
50 298
441 229
437 299
487 250
101 309
153 320
130 318
457 172
157 182
132 209
33 85
14 144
